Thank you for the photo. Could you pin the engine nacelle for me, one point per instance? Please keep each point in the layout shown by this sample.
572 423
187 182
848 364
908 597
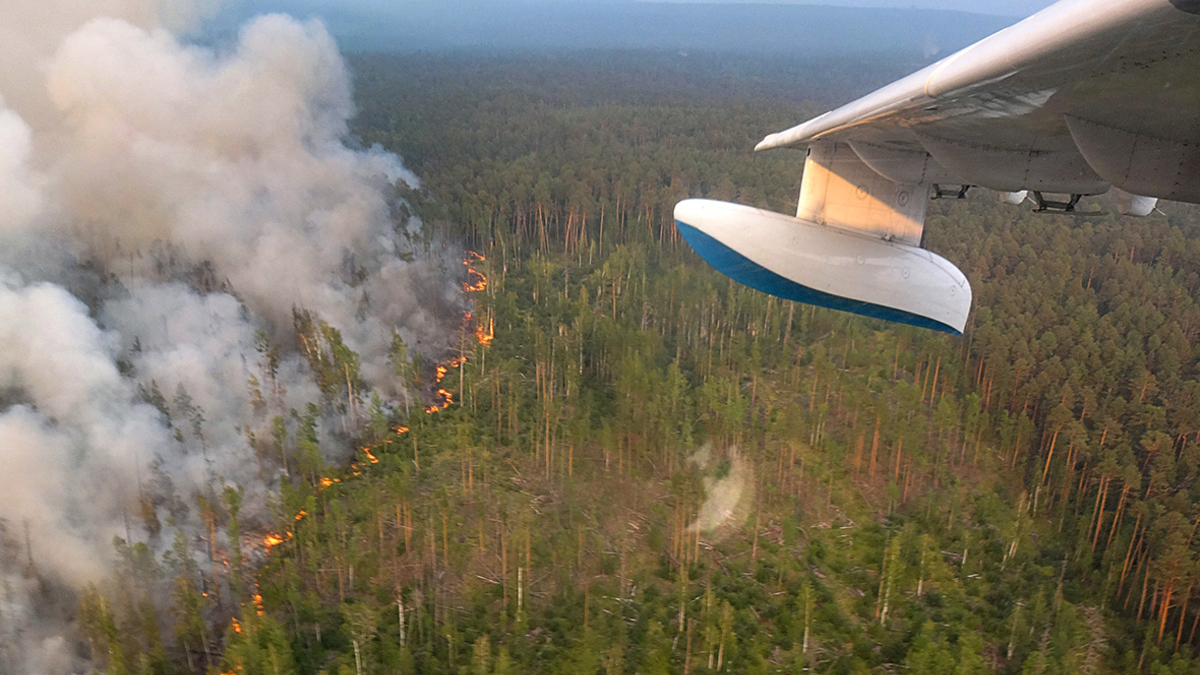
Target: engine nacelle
823 265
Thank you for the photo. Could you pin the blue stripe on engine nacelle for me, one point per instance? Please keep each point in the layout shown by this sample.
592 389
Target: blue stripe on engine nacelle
743 270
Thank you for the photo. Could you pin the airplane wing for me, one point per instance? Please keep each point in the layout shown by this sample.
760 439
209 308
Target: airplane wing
1078 97
1081 97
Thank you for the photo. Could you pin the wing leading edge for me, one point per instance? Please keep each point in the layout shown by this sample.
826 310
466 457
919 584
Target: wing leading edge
1083 95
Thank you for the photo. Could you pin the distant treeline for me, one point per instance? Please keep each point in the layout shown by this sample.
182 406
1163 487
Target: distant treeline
760 29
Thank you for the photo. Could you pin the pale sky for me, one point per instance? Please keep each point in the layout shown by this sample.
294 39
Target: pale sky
1019 8
1000 7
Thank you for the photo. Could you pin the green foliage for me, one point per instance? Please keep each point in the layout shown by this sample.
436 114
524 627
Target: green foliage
259 646
651 469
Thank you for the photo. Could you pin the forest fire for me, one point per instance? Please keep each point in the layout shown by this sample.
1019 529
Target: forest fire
444 369
445 400
485 335
476 280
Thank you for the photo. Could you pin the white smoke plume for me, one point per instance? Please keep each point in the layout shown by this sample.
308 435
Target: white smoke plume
20 197
163 207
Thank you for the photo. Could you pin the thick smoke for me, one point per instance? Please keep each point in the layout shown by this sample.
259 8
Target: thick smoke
20 198
164 209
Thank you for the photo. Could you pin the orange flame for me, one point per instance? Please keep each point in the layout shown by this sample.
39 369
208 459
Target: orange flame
272 540
476 280
445 398
237 627
258 604
486 335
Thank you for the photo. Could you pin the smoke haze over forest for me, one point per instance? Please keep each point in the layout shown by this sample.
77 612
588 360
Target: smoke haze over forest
165 212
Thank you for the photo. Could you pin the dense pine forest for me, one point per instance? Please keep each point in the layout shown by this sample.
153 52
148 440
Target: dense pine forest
631 464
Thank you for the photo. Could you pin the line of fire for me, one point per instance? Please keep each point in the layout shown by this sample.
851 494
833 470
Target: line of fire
476 282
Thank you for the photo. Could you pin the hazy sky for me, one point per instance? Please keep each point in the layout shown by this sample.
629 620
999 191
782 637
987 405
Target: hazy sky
720 25
999 7
1002 7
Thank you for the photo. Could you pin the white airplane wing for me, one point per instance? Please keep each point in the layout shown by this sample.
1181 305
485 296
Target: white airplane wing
1081 97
